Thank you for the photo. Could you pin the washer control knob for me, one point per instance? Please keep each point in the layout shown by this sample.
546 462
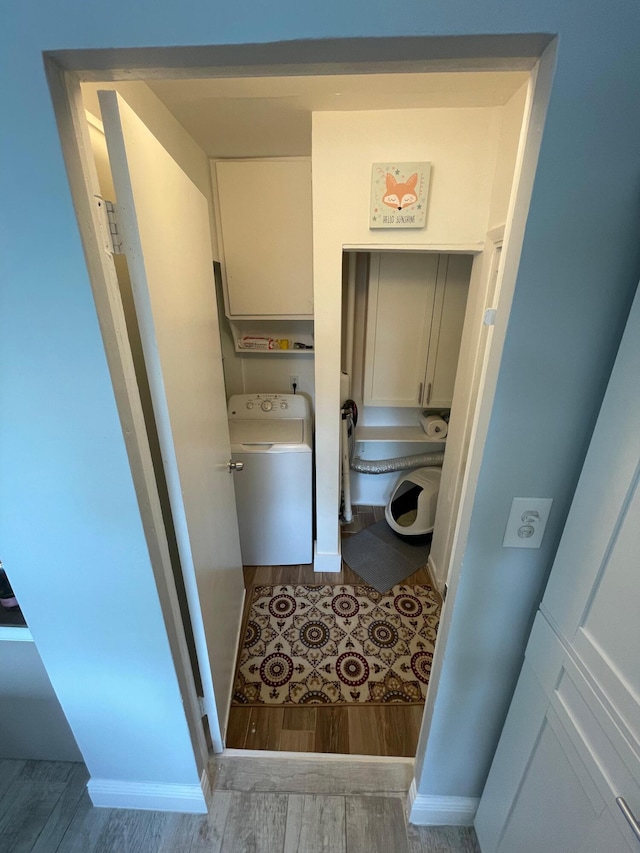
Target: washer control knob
267 405
249 405
283 405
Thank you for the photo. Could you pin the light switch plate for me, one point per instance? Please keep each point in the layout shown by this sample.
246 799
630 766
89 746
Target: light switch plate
527 522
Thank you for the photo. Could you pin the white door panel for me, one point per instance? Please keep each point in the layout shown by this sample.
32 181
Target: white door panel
556 807
608 637
582 659
606 486
164 221
593 594
559 766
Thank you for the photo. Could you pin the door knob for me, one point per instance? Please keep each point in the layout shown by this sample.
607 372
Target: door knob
235 466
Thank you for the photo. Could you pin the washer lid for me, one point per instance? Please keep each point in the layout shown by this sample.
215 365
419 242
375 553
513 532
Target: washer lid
275 431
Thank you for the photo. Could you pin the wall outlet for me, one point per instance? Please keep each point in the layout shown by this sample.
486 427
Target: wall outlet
294 380
527 522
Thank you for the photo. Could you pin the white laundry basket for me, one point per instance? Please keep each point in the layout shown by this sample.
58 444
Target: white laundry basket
411 510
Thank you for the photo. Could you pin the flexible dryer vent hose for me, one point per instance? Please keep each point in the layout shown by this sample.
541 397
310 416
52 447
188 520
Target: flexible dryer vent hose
399 463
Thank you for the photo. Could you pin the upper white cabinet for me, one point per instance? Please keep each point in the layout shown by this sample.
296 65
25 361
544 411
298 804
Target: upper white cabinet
415 314
264 218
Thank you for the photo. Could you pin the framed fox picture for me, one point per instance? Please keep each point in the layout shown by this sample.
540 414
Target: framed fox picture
399 193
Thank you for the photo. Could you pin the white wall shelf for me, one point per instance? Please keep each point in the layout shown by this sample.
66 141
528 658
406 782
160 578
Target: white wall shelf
292 351
290 330
395 433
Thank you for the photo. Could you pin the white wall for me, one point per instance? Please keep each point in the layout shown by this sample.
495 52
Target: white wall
101 157
272 374
461 144
510 126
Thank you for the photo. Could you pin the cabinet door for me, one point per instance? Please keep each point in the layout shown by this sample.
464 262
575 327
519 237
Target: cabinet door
446 330
266 224
400 303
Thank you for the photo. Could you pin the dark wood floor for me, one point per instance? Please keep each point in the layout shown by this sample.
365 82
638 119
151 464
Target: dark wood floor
355 730
44 808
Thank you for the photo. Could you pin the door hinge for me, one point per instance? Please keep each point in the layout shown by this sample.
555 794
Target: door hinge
445 590
111 239
203 710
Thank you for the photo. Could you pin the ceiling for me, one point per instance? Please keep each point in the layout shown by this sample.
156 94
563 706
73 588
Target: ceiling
271 116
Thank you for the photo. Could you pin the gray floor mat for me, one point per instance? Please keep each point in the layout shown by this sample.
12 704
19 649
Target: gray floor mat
381 558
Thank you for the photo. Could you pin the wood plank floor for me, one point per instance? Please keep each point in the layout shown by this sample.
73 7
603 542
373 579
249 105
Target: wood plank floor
44 808
352 730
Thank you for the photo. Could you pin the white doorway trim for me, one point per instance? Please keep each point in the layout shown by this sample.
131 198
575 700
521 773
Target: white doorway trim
475 343
65 71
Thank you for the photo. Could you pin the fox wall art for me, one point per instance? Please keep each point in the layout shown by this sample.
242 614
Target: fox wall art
399 195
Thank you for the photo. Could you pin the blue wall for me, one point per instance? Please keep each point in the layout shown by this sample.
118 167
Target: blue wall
70 530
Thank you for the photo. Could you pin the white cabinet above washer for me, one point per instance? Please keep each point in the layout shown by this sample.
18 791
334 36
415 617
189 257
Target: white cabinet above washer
264 219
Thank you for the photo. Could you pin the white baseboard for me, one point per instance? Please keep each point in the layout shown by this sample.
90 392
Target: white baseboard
433 571
326 562
121 794
425 810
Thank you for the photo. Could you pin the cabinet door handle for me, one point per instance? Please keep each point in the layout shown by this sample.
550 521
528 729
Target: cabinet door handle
629 816
428 393
420 394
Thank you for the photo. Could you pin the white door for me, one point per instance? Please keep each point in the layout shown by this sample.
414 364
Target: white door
582 664
164 220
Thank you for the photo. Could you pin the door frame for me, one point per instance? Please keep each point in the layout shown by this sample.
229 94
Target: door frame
65 71
485 266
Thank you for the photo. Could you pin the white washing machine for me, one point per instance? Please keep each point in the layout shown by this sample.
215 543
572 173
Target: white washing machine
272 435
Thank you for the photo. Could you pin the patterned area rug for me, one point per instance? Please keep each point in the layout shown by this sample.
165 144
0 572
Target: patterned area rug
314 645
